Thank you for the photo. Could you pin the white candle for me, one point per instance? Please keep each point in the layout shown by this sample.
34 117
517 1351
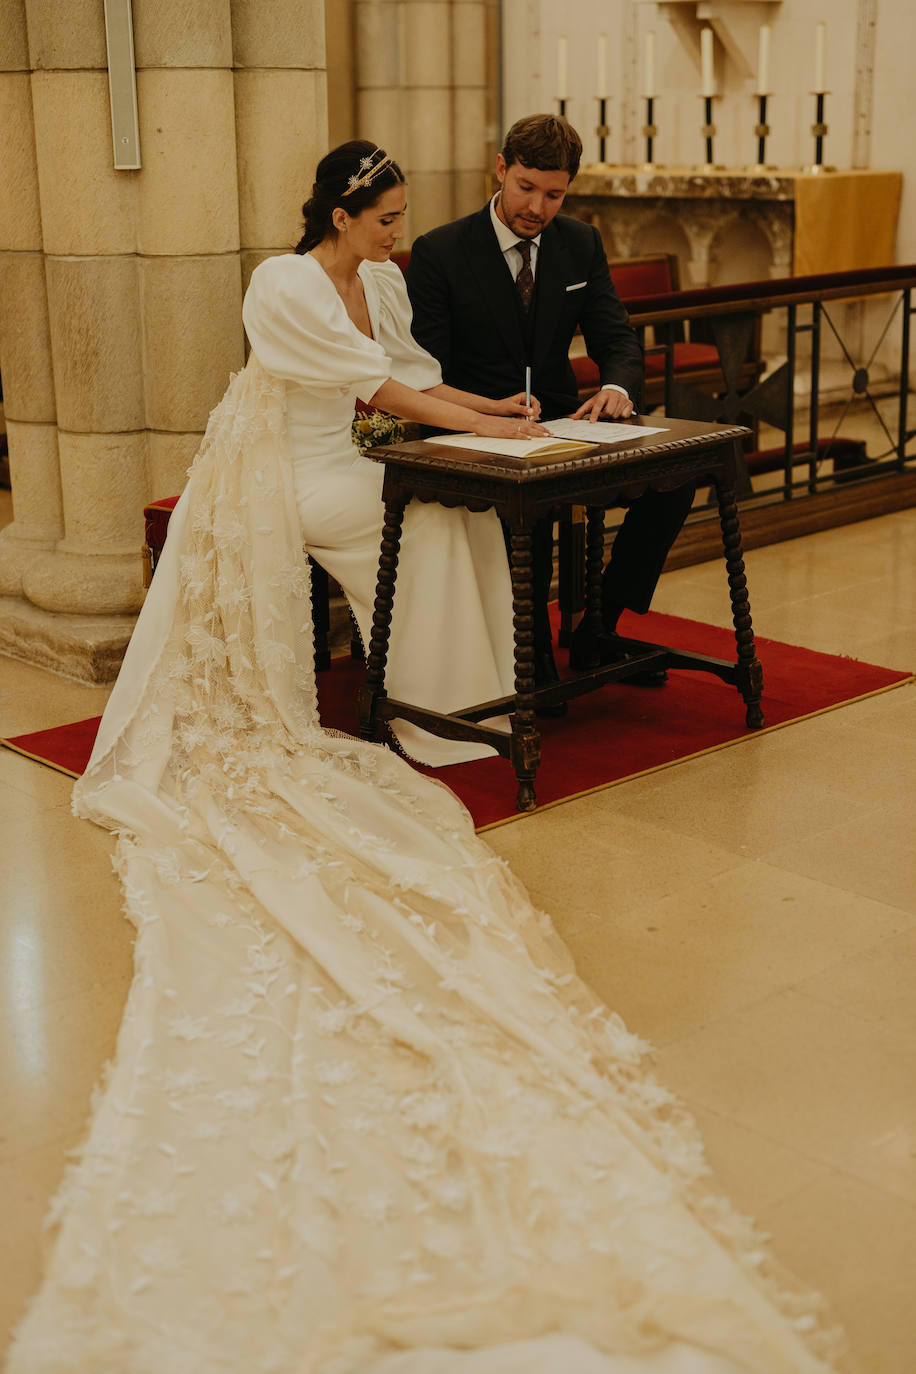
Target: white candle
602 66
820 34
707 79
763 61
650 65
561 67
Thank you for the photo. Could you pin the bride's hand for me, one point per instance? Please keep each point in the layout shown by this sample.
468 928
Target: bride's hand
518 405
499 427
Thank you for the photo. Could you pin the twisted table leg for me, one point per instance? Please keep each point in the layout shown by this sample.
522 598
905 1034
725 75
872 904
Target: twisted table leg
750 672
526 744
374 686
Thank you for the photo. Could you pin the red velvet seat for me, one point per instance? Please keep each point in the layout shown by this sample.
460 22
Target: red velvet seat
157 515
696 364
688 358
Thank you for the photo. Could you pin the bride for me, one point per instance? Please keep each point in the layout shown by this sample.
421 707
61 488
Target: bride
363 1118
333 321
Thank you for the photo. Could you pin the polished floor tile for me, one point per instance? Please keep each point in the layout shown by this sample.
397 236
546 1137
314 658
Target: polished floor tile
721 943
51 1057
613 879
824 1082
855 1243
44 787
733 799
874 985
841 753
873 855
753 1171
32 699
26 1185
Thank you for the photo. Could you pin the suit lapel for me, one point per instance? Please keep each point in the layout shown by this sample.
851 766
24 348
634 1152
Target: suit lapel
495 284
551 280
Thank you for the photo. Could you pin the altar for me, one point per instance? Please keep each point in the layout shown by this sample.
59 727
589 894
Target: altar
811 222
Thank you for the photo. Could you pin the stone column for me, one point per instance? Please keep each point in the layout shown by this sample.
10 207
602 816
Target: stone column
425 73
340 39
25 349
470 70
187 226
429 107
281 119
88 216
120 292
381 112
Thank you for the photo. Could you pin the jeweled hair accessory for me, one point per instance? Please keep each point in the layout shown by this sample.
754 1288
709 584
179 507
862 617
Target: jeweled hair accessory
369 169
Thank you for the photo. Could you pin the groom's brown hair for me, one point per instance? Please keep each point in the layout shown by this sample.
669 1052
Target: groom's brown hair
549 143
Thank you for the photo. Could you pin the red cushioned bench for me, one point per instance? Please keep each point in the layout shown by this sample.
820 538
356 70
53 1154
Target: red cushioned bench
695 364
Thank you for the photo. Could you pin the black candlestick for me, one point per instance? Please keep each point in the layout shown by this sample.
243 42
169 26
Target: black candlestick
561 101
649 129
708 129
602 130
819 129
762 130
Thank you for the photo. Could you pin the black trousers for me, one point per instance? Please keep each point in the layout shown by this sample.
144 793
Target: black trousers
641 545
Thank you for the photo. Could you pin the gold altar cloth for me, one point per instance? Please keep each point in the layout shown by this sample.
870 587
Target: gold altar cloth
845 220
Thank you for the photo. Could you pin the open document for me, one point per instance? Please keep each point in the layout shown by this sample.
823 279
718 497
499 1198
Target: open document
567 437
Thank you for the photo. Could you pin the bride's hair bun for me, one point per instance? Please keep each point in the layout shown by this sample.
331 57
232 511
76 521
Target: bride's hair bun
333 186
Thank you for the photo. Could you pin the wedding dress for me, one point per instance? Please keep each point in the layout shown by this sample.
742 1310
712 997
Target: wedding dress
451 642
362 1118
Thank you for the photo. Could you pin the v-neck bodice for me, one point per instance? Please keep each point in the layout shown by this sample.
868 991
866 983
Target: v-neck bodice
300 330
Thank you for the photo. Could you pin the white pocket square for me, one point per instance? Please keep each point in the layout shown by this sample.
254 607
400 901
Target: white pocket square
577 286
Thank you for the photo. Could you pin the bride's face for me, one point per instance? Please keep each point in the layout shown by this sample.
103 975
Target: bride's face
374 232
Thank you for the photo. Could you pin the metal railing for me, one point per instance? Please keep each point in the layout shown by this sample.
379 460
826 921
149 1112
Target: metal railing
731 317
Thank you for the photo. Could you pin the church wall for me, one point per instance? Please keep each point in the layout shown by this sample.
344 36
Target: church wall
870 112
340 37
870 108
424 76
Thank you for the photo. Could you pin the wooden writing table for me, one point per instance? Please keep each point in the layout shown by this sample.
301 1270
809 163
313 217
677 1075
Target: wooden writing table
521 491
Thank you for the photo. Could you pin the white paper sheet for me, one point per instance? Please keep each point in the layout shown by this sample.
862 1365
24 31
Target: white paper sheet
598 431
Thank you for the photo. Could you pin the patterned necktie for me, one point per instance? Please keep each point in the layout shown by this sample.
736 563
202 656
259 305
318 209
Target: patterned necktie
524 282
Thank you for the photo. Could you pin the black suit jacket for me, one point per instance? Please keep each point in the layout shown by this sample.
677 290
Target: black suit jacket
467 313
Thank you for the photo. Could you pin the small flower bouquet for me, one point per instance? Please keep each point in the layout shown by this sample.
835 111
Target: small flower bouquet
381 428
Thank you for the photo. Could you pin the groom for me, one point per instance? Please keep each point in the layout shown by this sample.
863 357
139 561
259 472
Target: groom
505 288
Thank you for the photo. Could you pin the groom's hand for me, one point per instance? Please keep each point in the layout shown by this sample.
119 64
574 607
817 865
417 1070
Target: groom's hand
606 402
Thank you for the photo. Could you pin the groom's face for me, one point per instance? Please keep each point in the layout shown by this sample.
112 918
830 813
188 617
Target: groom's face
529 198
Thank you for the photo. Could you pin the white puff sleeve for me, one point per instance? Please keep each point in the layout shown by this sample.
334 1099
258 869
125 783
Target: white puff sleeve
300 331
410 364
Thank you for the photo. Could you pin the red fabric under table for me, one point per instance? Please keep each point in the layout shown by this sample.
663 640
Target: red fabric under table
606 735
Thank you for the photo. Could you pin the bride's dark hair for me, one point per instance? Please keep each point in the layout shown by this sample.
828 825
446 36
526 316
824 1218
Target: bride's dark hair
331 188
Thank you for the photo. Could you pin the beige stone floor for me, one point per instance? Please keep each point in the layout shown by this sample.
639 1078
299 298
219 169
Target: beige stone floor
753 911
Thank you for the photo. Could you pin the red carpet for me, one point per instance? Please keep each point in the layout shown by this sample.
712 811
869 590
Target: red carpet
607 735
